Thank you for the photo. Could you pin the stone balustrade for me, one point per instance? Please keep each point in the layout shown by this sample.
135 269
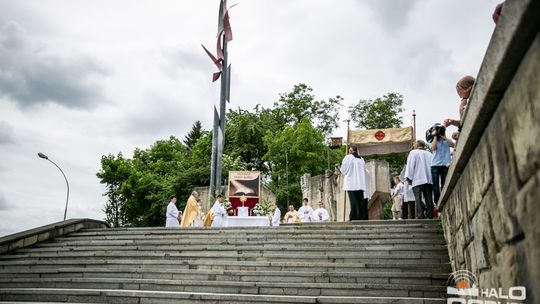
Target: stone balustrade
490 204
47 232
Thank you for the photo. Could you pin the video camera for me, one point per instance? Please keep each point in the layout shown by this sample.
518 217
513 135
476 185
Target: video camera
441 131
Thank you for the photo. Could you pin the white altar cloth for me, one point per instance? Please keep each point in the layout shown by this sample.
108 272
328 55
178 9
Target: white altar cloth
250 221
243 211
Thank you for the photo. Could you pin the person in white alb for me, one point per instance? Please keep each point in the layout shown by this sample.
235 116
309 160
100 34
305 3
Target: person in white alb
354 171
418 172
320 214
305 212
172 214
276 216
219 212
407 207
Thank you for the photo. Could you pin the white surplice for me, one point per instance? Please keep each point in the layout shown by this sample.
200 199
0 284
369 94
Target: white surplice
408 195
354 172
276 218
219 214
320 215
172 216
305 213
419 167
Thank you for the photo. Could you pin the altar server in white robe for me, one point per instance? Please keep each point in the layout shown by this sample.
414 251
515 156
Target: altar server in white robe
321 214
219 212
276 217
305 212
354 182
418 173
172 214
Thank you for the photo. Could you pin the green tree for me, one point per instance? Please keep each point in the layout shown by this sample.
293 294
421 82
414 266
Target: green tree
293 152
148 188
115 170
244 138
300 104
193 136
381 113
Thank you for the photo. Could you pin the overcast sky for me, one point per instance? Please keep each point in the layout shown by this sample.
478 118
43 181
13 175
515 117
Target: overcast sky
80 79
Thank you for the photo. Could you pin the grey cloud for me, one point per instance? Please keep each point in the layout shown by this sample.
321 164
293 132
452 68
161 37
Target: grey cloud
181 60
4 205
30 75
161 117
6 133
425 61
392 14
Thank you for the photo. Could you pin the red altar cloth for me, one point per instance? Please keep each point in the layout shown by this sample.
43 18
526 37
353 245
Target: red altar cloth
250 203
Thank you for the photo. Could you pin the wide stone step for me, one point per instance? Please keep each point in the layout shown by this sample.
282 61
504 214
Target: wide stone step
398 249
254 231
335 257
164 297
385 266
239 275
260 241
236 287
368 225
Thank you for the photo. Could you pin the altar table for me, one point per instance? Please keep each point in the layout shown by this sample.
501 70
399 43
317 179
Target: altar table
246 221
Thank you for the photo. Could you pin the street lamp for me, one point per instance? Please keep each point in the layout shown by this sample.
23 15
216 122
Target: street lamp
41 155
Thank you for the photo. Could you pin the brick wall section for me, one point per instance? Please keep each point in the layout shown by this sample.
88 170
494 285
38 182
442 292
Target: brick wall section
491 205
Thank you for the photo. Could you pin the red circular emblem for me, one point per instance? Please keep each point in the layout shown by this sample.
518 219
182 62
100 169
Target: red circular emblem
379 135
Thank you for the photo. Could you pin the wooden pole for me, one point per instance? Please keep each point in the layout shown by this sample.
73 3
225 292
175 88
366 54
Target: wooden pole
414 125
346 153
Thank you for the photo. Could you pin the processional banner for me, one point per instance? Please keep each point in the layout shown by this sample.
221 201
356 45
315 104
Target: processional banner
382 141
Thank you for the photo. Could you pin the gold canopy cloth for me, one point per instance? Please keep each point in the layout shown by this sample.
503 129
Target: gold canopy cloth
190 212
382 141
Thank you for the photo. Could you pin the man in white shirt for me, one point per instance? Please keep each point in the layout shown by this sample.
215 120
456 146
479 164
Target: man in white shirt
305 212
320 214
354 172
172 214
418 172
219 212
276 217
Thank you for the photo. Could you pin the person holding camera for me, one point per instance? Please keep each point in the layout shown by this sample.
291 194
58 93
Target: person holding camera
440 147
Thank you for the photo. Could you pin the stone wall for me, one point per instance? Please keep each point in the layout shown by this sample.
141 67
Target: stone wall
491 204
328 188
30 237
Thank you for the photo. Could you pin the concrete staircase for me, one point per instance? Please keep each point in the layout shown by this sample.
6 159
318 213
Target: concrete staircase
371 262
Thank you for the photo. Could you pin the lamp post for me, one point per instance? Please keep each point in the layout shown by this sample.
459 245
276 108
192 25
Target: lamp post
41 155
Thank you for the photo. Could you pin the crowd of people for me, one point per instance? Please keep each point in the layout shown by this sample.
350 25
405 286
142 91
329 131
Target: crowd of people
416 196
193 216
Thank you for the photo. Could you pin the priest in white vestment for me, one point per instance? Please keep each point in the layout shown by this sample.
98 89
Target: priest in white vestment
418 173
219 212
172 214
320 214
276 217
305 212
